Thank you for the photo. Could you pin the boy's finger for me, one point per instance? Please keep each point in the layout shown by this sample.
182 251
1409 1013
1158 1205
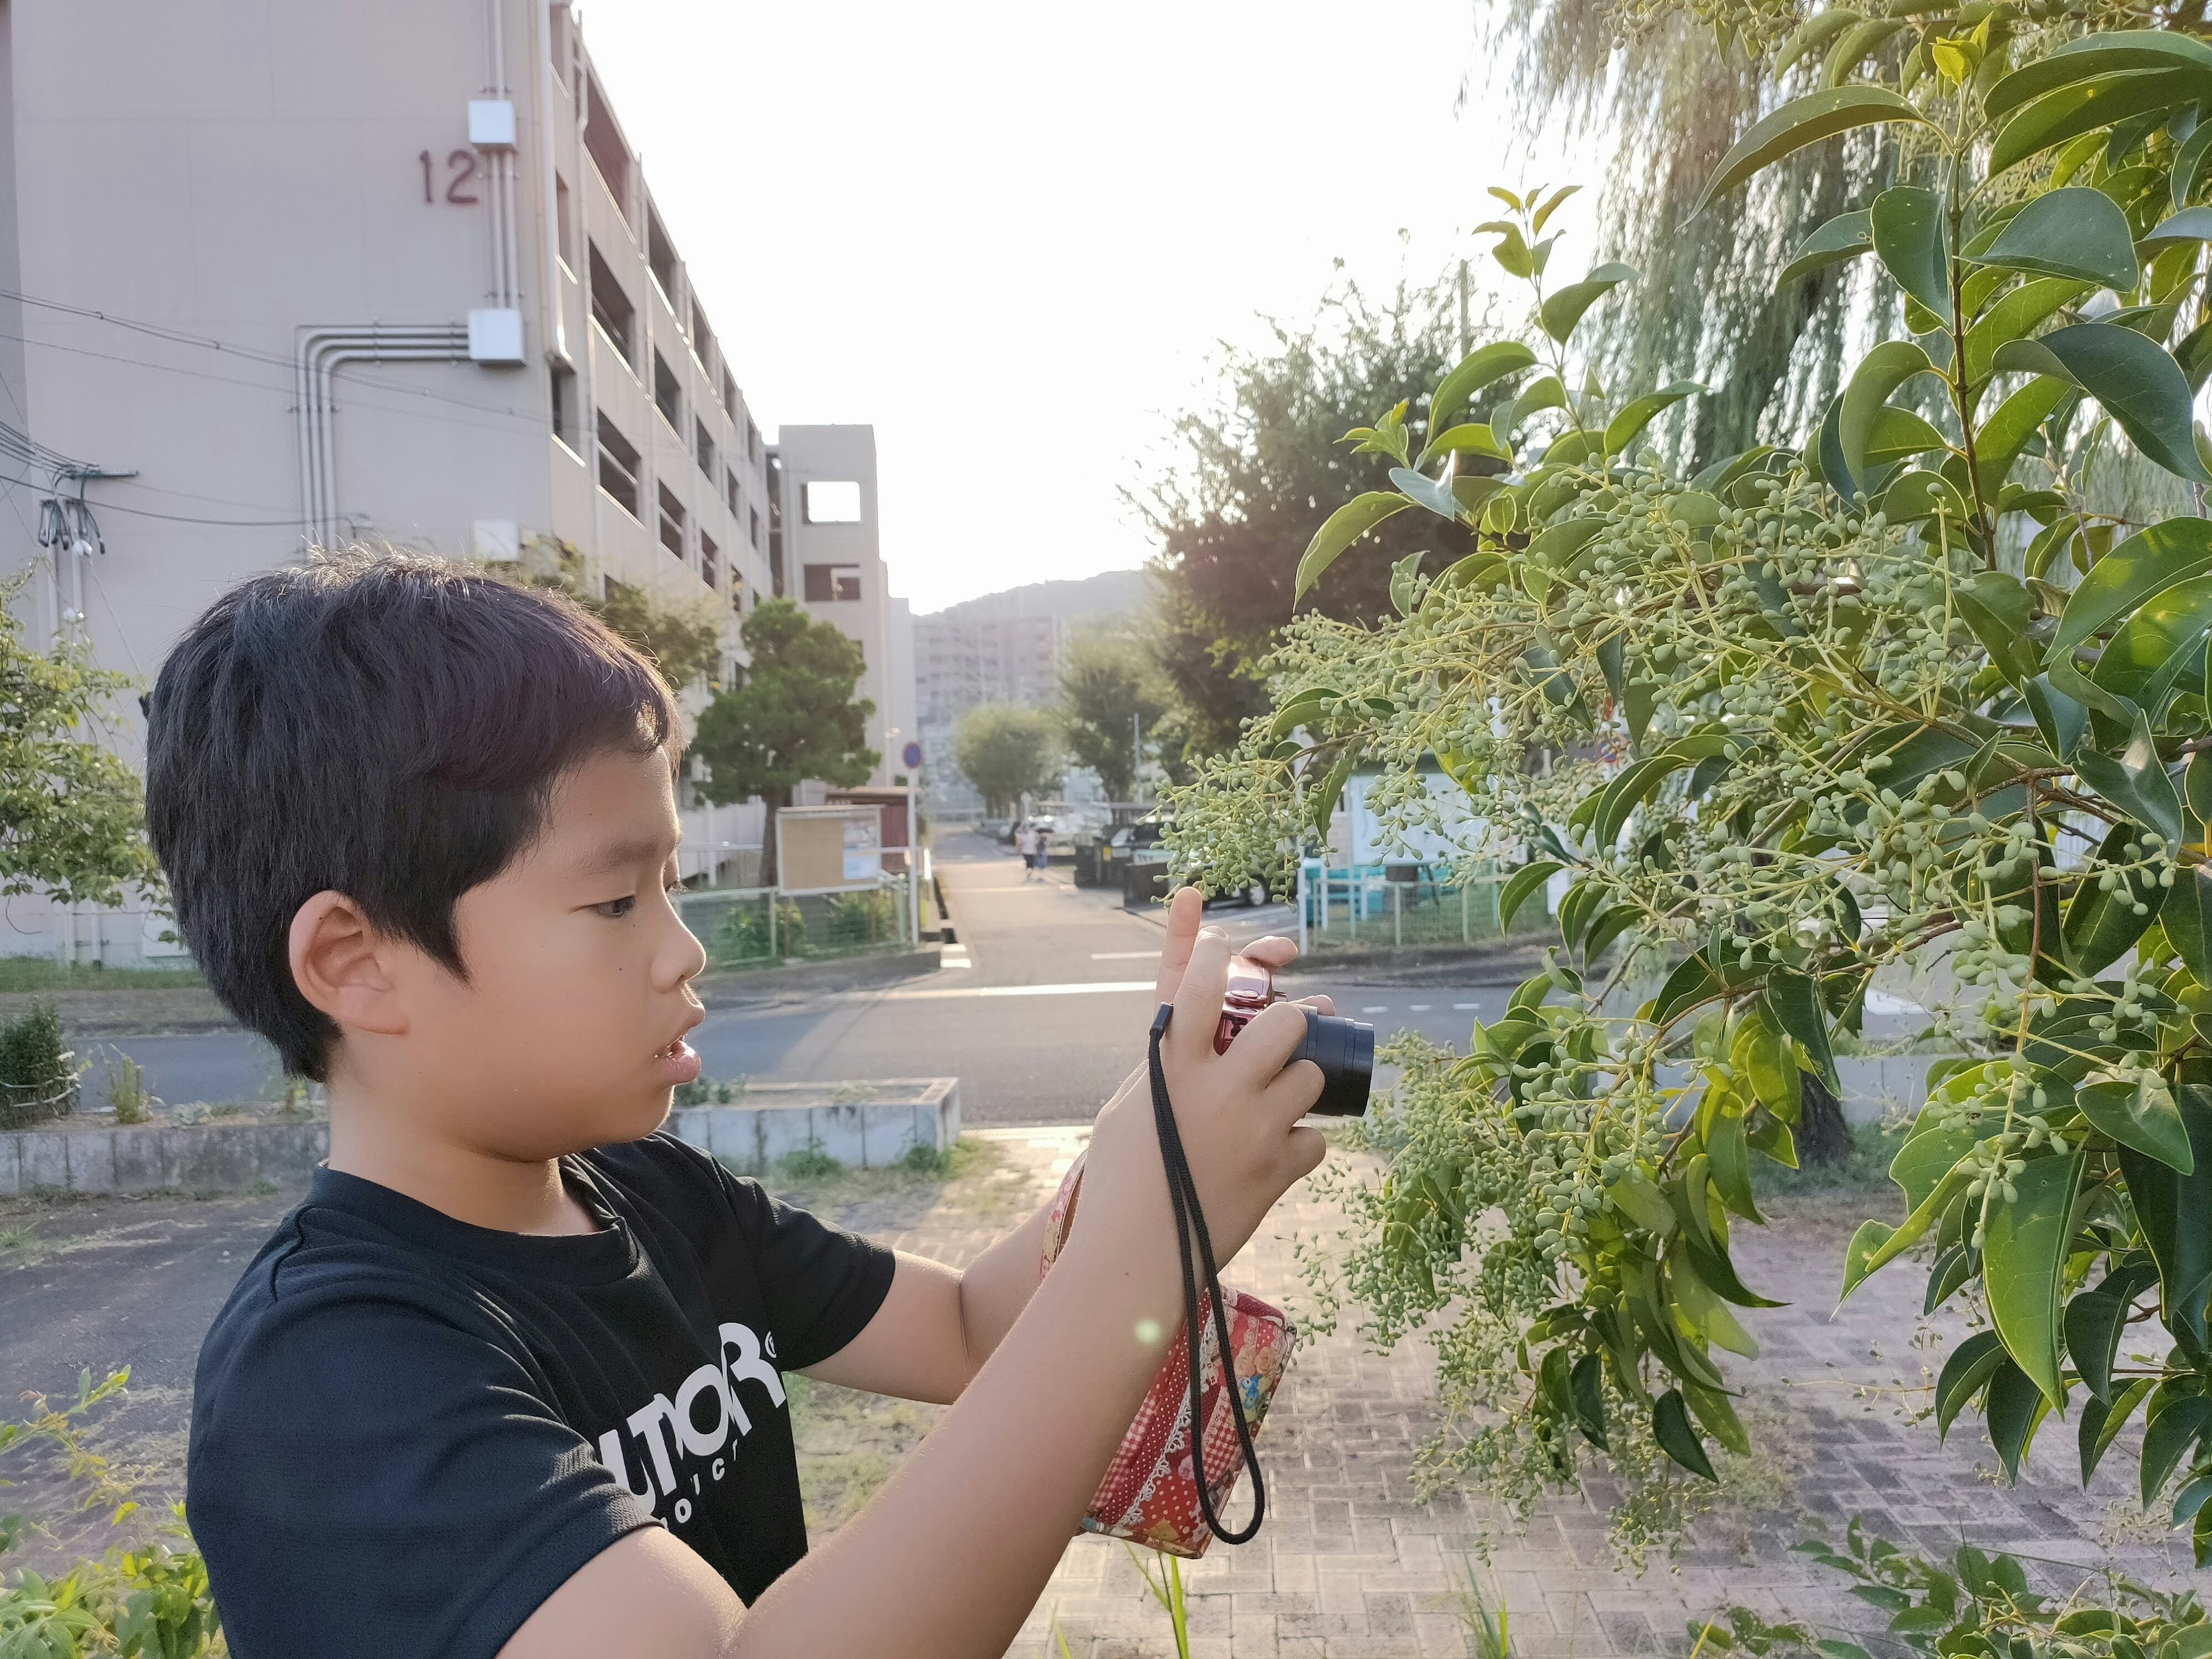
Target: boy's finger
1293 1094
1186 911
1319 1002
1273 948
1263 1047
1198 999
1309 1147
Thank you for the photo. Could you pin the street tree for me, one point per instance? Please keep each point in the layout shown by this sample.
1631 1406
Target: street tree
790 716
682 638
1906 694
72 814
1112 701
1007 751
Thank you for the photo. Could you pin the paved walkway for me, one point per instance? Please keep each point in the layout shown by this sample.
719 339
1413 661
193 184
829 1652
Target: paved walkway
1349 1566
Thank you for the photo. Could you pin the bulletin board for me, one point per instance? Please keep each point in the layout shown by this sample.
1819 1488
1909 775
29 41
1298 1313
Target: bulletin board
827 849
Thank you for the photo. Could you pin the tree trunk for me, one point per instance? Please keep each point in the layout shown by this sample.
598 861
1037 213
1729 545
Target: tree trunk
1822 1135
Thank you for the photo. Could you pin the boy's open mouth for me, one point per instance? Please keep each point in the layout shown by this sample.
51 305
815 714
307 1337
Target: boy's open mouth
677 1062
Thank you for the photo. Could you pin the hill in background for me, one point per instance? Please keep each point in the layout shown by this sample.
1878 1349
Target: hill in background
1109 593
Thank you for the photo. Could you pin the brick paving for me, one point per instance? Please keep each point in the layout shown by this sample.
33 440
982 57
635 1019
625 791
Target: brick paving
1350 1566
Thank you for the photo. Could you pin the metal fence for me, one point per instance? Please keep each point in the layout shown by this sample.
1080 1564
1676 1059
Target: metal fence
1407 905
752 927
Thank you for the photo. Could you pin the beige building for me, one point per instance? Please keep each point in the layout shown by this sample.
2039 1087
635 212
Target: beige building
277 274
827 553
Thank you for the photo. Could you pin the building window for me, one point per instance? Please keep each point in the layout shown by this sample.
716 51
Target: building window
752 440
603 140
829 583
702 343
703 448
710 562
833 500
731 494
558 44
774 525
668 394
564 406
756 539
671 522
564 224
661 256
729 392
611 310
738 592
617 466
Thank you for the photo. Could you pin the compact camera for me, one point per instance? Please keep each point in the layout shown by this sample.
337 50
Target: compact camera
1343 1049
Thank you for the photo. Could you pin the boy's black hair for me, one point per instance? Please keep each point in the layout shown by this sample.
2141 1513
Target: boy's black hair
385 725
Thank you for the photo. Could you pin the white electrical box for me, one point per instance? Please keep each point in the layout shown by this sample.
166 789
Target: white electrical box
491 123
495 336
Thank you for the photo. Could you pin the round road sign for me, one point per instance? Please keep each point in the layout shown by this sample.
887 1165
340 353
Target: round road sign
913 756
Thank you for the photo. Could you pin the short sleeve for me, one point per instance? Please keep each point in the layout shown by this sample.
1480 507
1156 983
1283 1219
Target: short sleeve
820 1284
370 1478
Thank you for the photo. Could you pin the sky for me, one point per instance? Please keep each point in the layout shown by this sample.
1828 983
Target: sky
1013 236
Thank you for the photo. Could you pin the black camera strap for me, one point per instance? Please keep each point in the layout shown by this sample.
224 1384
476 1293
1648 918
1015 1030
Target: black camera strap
1190 1230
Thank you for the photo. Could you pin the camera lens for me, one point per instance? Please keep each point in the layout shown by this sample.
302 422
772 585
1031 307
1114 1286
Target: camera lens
1345 1051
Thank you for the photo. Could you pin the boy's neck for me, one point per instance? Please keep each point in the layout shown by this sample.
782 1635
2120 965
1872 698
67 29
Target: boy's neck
483 1188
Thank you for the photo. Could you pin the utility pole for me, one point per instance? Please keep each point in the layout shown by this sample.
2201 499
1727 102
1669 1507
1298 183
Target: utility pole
1136 755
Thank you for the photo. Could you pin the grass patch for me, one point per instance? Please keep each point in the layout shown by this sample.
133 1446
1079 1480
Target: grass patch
1866 1169
815 1181
849 1443
43 974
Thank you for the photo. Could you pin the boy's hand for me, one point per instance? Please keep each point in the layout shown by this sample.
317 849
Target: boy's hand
1186 915
1237 1112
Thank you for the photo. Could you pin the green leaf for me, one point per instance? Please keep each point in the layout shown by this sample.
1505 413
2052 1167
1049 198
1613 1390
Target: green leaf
2072 111
1642 1203
2174 1212
1879 374
1801 122
2161 646
1478 369
1470 438
1325 799
1794 1002
1561 311
2016 1405
1670 1426
2189 225
1844 237
1585 1388
2186 915
2096 55
2101 1423
2100 924
2167 1439
1971 1365
1898 433
1911 241
1423 492
2136 783
2006 432
2076 232
1344 526
1622 429
1866 1243
2023 1247
1691 983
1814 35
2095 1320
2059 718
2147 562
2138 384
2189 164
1525 881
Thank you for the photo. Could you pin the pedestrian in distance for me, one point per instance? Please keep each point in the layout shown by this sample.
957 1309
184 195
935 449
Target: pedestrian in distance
510 1382
1030 842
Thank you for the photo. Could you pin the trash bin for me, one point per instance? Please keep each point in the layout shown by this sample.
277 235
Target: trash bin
1143 884
1087 872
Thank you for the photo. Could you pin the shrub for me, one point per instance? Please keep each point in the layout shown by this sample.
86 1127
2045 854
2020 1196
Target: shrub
38 1076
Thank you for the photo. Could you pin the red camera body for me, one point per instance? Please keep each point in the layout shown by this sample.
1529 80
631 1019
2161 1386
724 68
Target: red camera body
1343 1049
1251 989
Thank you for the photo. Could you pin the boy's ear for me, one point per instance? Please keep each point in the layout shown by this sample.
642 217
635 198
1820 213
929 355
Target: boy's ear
337 961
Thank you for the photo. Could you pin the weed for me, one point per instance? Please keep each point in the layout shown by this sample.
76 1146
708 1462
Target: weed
14 1238
126 1090
19 974
1167 1591
1489 1633
263 1189
926 1160
809 1163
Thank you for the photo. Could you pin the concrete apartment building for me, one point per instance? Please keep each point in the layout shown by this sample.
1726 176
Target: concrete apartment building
826 551
962 660
280 275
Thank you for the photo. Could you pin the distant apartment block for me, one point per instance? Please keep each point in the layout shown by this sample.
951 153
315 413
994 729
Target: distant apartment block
963 660
279 276
825 550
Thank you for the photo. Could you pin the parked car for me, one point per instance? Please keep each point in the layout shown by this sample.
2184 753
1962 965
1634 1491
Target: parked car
1138 843
999 830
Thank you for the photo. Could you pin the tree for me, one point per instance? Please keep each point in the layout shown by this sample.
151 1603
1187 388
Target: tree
791 716
683 639
1907 695
1256 468
72 814
1007 751
1107 690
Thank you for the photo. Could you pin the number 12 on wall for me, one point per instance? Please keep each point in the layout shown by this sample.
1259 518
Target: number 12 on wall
463 163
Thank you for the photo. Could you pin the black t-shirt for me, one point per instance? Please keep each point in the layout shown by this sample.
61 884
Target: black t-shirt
409 1432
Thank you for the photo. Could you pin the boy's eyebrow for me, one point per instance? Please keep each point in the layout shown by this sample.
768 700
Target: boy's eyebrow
626 854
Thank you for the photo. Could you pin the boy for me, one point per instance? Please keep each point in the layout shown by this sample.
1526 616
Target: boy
508 1382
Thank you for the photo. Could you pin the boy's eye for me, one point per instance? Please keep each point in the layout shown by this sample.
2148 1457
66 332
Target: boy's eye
616 910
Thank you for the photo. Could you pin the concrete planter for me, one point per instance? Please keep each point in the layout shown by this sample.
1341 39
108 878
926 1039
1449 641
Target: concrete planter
860 1125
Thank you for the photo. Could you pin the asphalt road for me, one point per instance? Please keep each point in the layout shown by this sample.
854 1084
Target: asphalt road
1041 1010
